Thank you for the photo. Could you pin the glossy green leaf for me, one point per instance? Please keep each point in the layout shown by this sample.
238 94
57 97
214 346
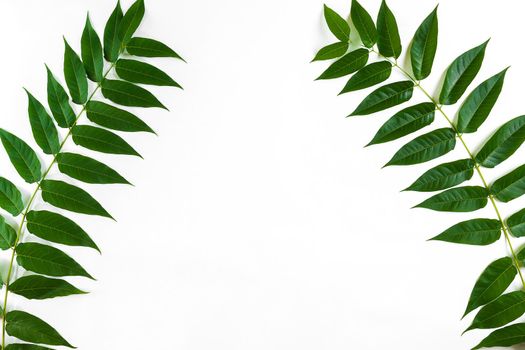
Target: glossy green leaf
128 94
143 73
510 186
461 73
76 79
88 169
27 327
473 232
7 235
101 140
91 50
40 287
425 147
444 176
57 228
131 21
424 46
331 51
20 346
58 101
405 122
114 118
368 76
10 197
65 196
516 223
112 42
348 64
364 24
44 130
507 336
23 158
386 96
503 143
500 312
337 24
459 199
388 42
145 47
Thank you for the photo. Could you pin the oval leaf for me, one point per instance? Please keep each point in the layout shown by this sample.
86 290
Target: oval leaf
500 312
459 199
58 101
114 118
145 47
444 176
23 158
368 76
364 24
44 130
91 50
388 42
424 46
385 97
112 42
143 73
127 94
40 287
131 21
101 140
88 169
507 336
75 74
473 232
331 51
10 197
510 186
348 64
338 26
516 223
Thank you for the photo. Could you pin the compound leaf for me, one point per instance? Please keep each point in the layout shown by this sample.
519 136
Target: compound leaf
348 64
424 46
388 42
331 51
128 94
459 199
364 24
369 75
76 79
386 96
23 158
91 50
58 101
114 118
473 232
131 21
44 130
10 197
145 47
337 24
143 73
101 140
41 287
112 42
88 169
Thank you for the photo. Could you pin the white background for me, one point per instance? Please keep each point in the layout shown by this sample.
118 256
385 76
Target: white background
257 220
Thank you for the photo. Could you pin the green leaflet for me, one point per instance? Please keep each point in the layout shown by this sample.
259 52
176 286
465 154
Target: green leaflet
143 73
145 47
444 176
10 197
516 223
56 228
461 73
338 26
20 346
131 21
127 94
425 147
370 75
88 169
23 158
47 260
473 232
7 235
503 143
424 46
44 130
510 186
405 122
500 312
58 101
76 79
40 287
32 329
388 42
507 336
387 96
334 50
348 64
112 43
65 196
101 140
91 50
459 199
114 118
364 24
492 282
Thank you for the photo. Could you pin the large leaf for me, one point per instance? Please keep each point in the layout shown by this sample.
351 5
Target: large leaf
444 176
30 328
386 96
101 140
143 73
510 186
10 197
76 79
334 50
461 73
56 228
425 147
388 42
127 94
424 46
7 235
88 169
22 156
507 336
370 75
40 287
91 50
459 199
58 101
337 24
348 64
69 197
44 130
516 223
364 24
114 118
112 42
145 47
473 232
503 143
500 312
492 282
131 21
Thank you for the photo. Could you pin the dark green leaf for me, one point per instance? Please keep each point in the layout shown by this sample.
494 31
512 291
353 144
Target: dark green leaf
44 130
364 24
473 232
338 26
19 346
101 140
22 156
516 223
127 94
444 176
331 51
424 46
112 43
386 96
88 169
40 287
114 118
143 73
510 186
75 74
58 101
145 47
131 21
500 312
10 197
348 64
7 235
91 50
507 336
459 199
370 75
388 42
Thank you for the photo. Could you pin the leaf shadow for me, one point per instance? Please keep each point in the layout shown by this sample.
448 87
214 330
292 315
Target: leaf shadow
518 347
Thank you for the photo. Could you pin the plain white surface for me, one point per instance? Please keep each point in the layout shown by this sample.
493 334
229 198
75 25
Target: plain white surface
258 221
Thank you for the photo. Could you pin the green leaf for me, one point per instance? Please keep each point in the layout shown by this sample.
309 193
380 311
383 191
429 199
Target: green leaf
145 47
114 118
507 336
30 328
7 235
479 103
23 158
348 64
459 199
388 42
461 73
112 42
20 346
492 282
69 197
510 186
364 24
47 260
503 143
131 21
334 50
500 312
56 228
444 176
337 24
473 232
405 122
368 76
127 94
10 197
425 147
101 140
58 101
91 50
143 73
40 287
75 74
424 46
44 130
516 223
88 169
386 96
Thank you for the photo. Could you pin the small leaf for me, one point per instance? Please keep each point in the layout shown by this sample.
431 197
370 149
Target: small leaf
348 64
10 197
131 21
127 94
20 346
88 169
500 312
507 336
503 143
516 223
473 232
425 147
114 118
112 43
101 140
461 73
444 176
331 51
23 158
75 74
386 96
91 50
40 287
338 26
368 76
143 73
364 24
7 235
58 101
510 186
388 42
459 199
145 47
424 46
44 130
30 328
65 196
